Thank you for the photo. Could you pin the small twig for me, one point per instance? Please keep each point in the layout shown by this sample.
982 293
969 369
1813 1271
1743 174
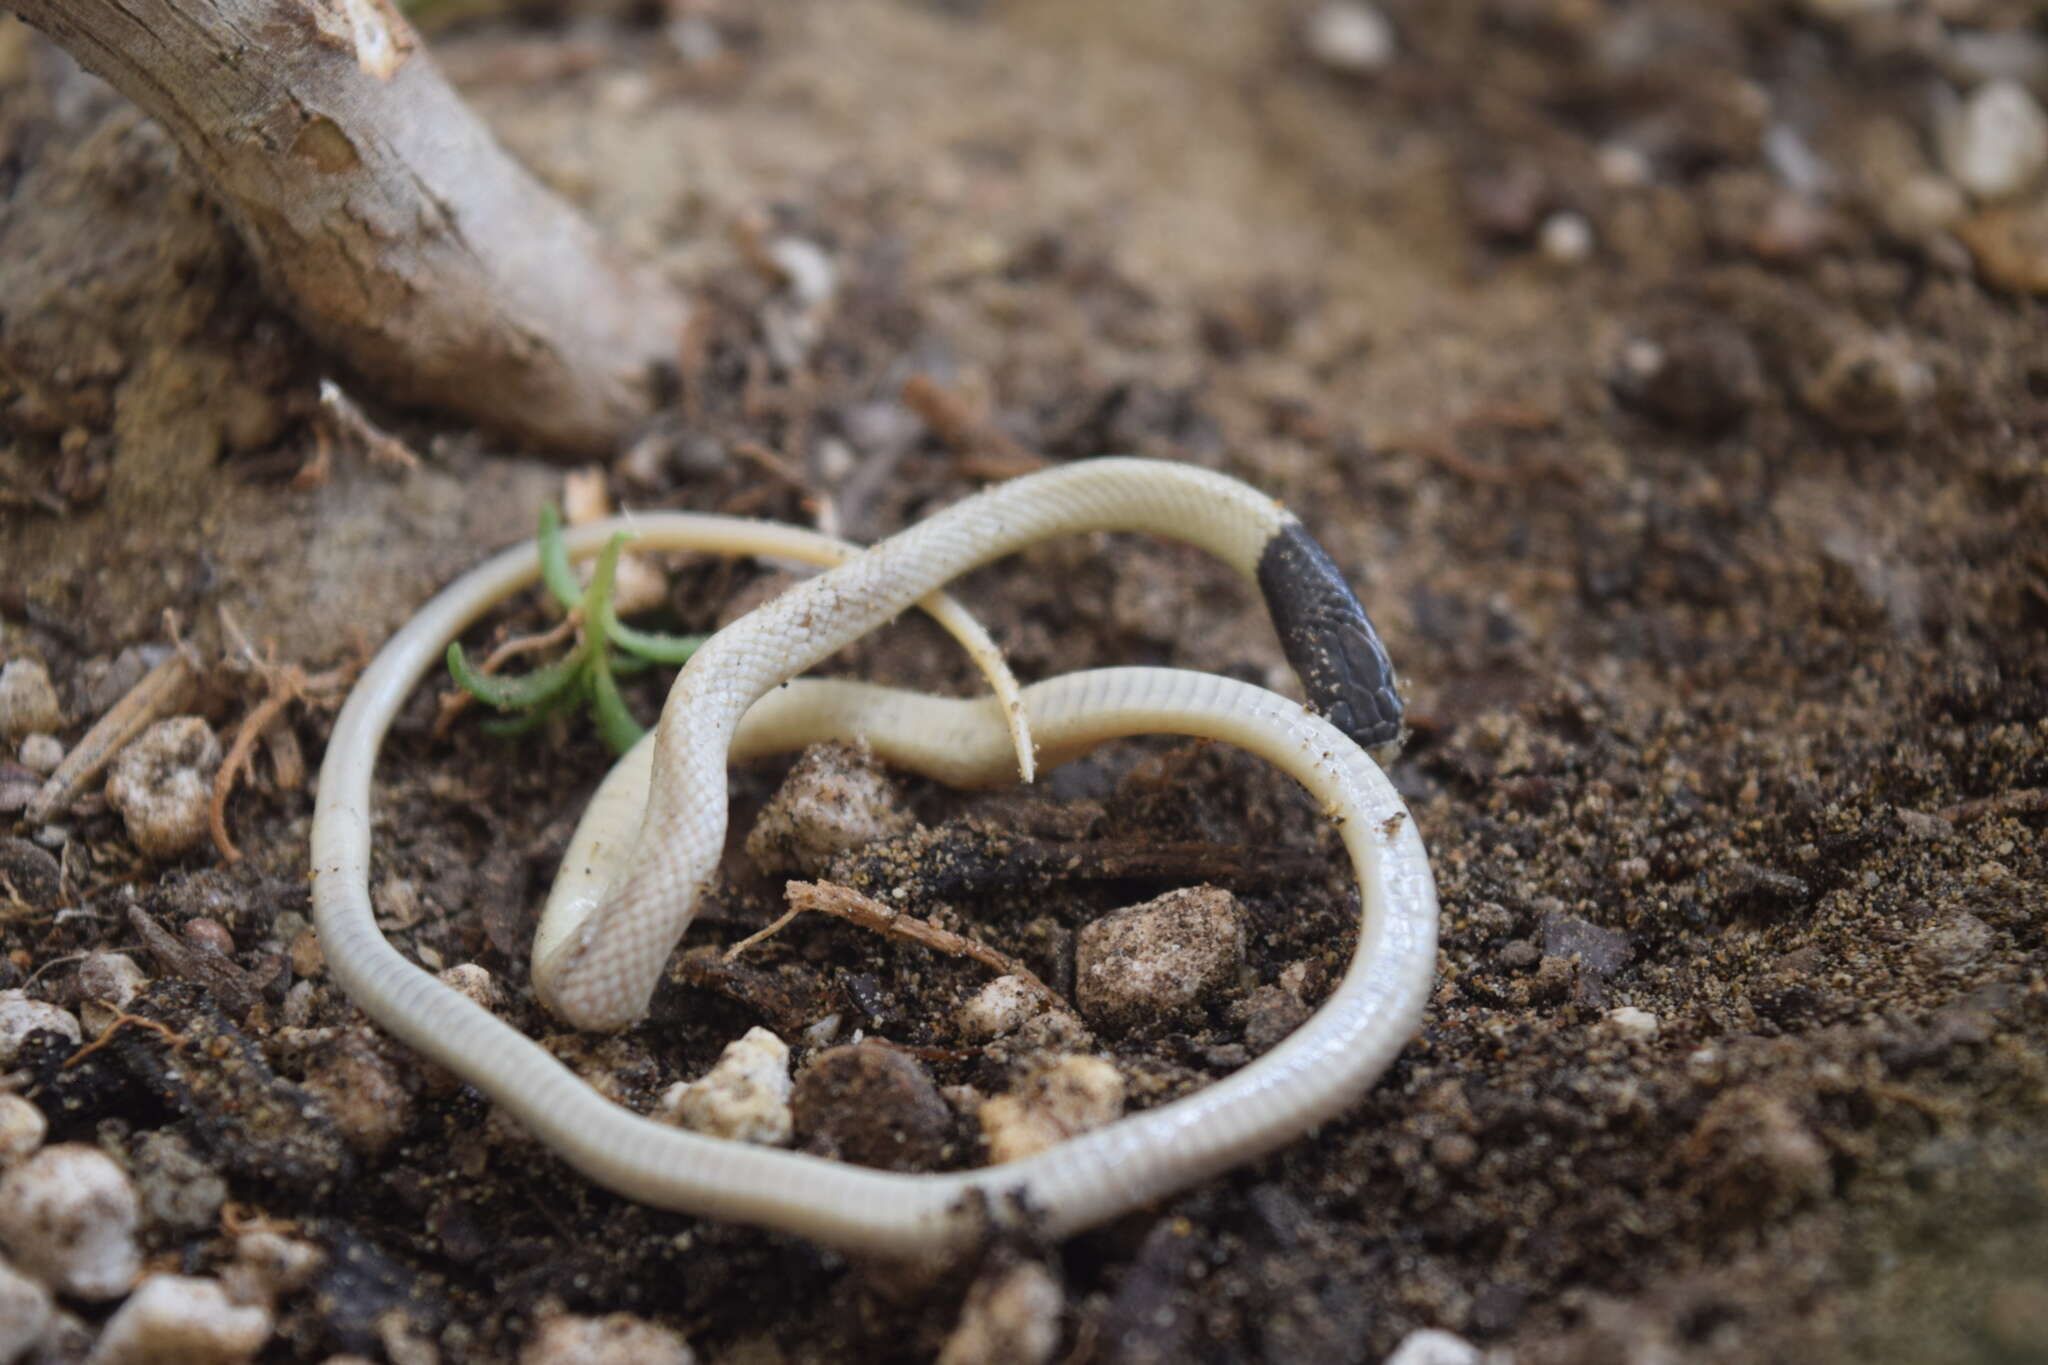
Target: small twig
122 1020
283 685
865 912
2020 801
350 421
162 691
993 452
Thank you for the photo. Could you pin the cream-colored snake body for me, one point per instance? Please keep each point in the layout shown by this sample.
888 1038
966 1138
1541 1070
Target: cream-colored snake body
602 955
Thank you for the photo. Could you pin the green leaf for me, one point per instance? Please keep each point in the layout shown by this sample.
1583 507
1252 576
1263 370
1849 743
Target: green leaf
512 694
650 645
614 722
508 727
555 568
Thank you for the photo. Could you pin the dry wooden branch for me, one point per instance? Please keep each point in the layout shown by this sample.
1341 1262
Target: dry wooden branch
384 215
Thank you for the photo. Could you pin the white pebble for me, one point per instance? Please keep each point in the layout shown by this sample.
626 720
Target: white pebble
106 983
22 1130
1053 1103
1565 238
1996 143
1429 1346
1624 167
41 753
28 702
67 1216
269 1265
475 982
24 1312
20 1016
615 1339
1350 37
1011 1316
1630 1022
807 269
744 1097
181 1320
161 785
1003 1006
1152 965
835 798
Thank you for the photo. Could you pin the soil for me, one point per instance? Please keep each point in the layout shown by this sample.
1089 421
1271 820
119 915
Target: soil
1712 560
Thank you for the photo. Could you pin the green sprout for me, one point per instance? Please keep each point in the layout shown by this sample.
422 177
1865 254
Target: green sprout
589 673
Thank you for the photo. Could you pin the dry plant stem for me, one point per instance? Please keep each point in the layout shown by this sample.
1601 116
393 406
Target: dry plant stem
383 214
162 691
843 902
975 439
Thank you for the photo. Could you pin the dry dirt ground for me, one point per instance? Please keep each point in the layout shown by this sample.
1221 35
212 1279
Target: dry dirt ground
1713 559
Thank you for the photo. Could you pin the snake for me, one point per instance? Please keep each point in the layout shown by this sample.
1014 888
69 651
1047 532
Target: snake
654 833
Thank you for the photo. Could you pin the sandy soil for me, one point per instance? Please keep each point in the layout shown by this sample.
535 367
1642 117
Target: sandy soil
1712 560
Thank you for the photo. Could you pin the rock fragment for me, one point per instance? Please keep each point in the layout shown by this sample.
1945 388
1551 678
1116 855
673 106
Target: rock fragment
24 1312
182 1320
22 1129
1012 1315
21 1015
1052 1103
1995 143
41 753
872 1105
162 783
68 1217
744 1097
615 1339
28 700
1156 965
1001 1007
1349 37
178 1189
836 798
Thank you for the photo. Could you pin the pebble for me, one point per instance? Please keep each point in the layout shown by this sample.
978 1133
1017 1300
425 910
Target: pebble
161 785
1869 385
67 1217
873 1105
836 798
1270 1013
178 1189
22 1129
1632 1023
615 1339
21 1016
744 1097
1053 1103
359 1086
24 1312
1155 965
1996 143
28 701
1001 1007
1701 374
181 1320
466 978
1011 1316
2011 246
1565 239
41 753
1430 1346
1350 37
106 982
269 1265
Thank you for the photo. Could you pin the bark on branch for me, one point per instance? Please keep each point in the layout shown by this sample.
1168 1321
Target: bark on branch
382 212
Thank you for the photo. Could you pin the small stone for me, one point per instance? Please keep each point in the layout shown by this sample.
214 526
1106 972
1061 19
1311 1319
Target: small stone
67 1217
106 983
1506 203
181 1320
1155 965
1553 980
1628 1022
1429 1346
1699 374
1565 239
307 960
22 1130
178 1189
1869 385
1053 1103
41 753
35 875
1349 37
28 701
1011 1316
358 1085
1270 1013
21 1016
744 1097
1954 942
207 933
1623 167
1001 1007
1996 143
274 1265
467 978
615 1339
2011 246
836 798
872 1105
1923 205
24 1312
162 783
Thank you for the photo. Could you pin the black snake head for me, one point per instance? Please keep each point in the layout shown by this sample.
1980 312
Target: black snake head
1329 639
